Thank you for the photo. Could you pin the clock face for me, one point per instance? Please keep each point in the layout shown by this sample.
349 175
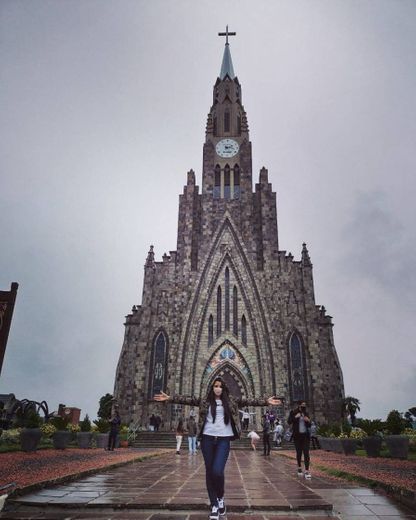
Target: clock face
227 148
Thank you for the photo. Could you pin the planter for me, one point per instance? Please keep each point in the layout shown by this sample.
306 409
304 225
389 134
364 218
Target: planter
335 445
101 440
124 443
398 446
61 439
349 446
372 445
84 439
30 438
324 442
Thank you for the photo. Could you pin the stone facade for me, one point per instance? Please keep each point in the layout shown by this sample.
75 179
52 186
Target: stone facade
228 301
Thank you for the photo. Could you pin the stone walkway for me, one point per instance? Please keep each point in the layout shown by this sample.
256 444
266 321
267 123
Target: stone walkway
172 487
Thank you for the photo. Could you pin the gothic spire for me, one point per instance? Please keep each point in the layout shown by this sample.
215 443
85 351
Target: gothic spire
150 260
306 259
227 62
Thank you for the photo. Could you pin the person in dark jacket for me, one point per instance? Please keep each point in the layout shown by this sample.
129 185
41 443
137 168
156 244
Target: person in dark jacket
218 424
115 422
300 421
266 435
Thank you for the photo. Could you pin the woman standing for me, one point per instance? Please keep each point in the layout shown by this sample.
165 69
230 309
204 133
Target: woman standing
218 425
179 436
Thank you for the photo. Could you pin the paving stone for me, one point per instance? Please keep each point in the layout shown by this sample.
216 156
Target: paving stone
175 488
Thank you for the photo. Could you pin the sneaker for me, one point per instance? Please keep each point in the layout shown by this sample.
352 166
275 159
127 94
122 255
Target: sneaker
214 513
221 506
300 472
308 475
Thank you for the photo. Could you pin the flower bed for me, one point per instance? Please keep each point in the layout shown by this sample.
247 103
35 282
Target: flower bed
392 473
40 467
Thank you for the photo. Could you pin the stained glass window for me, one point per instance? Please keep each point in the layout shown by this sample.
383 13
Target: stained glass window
158 365
244 330
226 121
236 182
235 311
297 371
210 330
227 181
227 299
217 182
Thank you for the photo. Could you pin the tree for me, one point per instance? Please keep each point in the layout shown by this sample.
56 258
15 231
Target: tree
85 424
395 423
106 402
351 405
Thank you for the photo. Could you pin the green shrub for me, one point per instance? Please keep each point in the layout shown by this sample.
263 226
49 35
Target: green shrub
11 436
59 422
346 428
371 426
323 430
358 434
32 420
335 430
85 424
47 429
103 426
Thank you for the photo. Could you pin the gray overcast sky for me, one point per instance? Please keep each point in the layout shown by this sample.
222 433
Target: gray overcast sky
104 107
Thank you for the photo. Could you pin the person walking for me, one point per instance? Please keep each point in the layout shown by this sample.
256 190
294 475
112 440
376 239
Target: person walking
192 431
278 434
314 438
218 425
266 436
245 418
300 421
254 439
152 423
179 436
115 423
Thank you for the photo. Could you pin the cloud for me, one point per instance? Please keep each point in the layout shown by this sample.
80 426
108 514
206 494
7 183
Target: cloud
379 248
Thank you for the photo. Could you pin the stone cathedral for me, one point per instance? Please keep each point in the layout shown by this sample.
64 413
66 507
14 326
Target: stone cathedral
228 301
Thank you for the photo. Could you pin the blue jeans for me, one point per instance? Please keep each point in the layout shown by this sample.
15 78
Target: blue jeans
192 443
215 451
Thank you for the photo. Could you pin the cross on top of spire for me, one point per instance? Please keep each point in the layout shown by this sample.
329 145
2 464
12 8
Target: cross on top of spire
226 34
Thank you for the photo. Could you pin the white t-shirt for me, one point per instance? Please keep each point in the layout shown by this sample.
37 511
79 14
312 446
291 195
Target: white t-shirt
218 428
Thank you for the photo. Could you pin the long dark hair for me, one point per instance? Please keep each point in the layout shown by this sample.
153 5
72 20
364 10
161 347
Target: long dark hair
225 398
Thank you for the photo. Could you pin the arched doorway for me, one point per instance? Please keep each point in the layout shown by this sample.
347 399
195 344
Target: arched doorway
233 379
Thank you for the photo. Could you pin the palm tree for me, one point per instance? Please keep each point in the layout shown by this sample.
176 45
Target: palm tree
351 405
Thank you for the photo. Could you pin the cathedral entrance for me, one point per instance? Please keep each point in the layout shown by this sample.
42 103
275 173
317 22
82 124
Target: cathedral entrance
236 385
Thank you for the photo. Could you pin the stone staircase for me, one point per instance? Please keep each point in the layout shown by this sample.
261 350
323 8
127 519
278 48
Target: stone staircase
168 440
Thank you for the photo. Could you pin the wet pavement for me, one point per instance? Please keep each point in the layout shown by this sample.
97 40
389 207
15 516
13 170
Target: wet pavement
173 487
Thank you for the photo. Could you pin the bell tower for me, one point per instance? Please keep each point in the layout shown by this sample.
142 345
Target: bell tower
227 149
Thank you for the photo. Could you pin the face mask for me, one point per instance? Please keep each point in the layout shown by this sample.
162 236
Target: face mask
303 408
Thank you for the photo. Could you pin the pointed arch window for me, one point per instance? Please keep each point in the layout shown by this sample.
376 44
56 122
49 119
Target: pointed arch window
235 311
239 124
227 181
236 194
227 120
215 126
297 372
227 299
219 310
244 330
158 365
210 330
217 182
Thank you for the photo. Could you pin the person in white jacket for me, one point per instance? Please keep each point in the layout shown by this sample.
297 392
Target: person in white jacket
278 434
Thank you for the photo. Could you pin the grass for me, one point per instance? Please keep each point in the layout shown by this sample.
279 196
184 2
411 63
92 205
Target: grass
384 453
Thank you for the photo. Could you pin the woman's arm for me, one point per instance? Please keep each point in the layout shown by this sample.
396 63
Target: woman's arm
177 399
262 401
